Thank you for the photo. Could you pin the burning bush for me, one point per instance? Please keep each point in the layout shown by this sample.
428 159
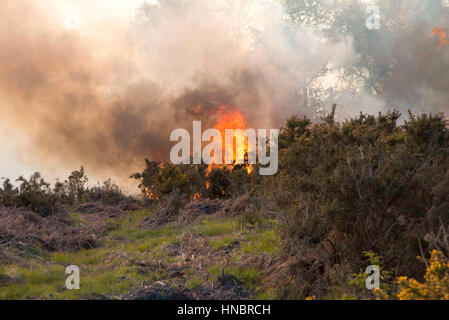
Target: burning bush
343 189
159 180
219 185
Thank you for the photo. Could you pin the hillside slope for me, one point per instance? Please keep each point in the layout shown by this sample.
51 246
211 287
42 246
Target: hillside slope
213 257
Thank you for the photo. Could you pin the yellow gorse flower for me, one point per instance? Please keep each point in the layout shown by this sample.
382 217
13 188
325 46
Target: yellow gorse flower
436 281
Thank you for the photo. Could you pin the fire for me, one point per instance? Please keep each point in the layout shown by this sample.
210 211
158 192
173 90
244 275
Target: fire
229 118
441 33
197 196
150 194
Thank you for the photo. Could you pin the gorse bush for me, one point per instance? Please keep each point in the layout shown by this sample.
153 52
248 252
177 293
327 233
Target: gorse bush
365 184
37 195
160 180
33 193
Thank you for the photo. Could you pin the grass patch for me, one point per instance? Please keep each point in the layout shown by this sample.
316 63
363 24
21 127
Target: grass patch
111 270
194 283
33 282
217 227
155 239
127 226
223 242
263 242
83 257
249 276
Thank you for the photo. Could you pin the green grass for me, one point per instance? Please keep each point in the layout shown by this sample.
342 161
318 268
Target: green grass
83 257
108 269
223 242
32 282
217 227
155 239
111 268
194 283
249 276
262 242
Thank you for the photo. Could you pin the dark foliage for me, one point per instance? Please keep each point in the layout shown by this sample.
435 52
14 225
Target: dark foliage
363 185
37 195
345 192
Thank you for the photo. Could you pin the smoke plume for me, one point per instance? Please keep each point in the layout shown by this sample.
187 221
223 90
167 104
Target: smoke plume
106 92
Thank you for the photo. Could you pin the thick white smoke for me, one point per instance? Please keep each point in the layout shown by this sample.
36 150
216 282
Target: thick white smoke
103 83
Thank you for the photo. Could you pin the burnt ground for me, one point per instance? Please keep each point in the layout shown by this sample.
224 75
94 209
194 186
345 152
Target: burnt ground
208 249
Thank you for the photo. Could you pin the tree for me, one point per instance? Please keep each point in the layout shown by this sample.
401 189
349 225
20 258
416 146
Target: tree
396 63
77 185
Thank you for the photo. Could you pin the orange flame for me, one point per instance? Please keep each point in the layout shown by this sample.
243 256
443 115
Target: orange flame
197 196
229 118
444 39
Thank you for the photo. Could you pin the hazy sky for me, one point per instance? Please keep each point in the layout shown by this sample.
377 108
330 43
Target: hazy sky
100 20
72 59
92 82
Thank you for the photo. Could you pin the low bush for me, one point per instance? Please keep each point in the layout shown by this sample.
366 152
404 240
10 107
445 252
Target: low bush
365 184
37 195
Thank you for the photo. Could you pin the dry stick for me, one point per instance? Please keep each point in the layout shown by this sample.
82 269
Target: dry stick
422 254
395 278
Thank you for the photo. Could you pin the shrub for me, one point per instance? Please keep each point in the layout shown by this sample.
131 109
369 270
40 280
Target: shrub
365 184
8 194
219 183
36 194
435 285
163 179
107 192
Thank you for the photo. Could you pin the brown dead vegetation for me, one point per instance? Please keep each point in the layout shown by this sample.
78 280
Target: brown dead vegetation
19 227
186 213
